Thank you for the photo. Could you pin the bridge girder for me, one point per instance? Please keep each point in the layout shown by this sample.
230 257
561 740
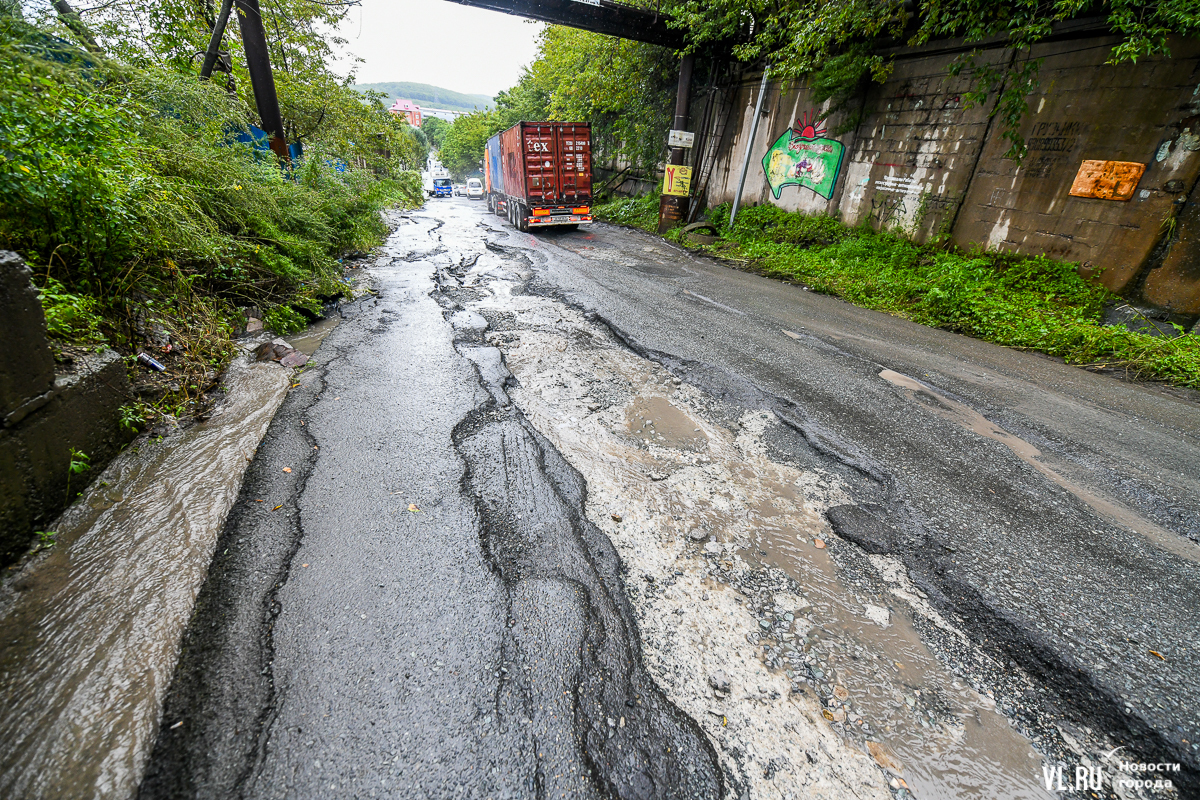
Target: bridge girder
605 16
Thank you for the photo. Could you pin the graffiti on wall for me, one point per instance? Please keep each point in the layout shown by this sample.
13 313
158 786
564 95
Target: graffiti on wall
886 209
802 156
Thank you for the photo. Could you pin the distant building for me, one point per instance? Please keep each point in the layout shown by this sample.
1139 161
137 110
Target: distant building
440 113
409 110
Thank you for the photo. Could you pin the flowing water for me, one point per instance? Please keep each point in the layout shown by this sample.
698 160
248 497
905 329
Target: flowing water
92 626
308 340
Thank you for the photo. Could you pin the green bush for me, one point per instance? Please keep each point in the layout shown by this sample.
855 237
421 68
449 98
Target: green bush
1021 302
636 212
284 320
69 316
125 190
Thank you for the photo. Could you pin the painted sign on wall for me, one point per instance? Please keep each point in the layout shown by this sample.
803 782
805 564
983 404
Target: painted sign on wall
1107 180
802 156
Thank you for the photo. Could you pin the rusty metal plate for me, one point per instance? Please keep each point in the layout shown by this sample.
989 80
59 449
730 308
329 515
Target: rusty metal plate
1107 180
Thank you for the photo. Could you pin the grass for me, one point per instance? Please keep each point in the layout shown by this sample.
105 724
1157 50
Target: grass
635 212
1028 303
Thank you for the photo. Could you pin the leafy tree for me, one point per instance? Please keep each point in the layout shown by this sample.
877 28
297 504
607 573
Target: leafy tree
799 38
625 89
462 147
124 188
435 130
318 106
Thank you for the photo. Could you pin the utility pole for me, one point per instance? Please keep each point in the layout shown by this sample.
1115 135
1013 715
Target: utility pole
673 208
258 63
214 42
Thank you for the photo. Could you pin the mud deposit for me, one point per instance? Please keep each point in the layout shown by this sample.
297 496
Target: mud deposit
92 626
807 676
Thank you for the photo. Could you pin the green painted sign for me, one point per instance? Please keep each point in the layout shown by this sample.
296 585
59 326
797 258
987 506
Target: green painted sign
802 156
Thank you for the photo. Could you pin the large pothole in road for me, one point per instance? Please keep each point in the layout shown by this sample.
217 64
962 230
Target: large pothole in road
794 651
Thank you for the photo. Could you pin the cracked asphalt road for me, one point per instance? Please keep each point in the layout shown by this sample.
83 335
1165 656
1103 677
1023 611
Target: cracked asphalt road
483 645
415 607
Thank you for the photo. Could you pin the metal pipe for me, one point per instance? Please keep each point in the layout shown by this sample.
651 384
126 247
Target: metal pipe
258 64
737 197
214 43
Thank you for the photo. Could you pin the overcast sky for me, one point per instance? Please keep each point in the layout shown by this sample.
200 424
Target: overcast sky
449 45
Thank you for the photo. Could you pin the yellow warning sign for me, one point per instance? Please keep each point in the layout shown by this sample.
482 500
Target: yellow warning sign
677 180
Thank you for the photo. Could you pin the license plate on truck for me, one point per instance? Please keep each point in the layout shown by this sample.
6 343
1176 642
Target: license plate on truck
560 219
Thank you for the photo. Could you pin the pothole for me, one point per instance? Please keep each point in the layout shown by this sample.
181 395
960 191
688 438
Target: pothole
807 675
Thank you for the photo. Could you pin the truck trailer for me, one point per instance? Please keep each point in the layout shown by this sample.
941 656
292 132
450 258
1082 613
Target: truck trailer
538 174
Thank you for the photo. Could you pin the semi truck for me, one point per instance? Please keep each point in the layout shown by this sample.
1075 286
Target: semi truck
539 174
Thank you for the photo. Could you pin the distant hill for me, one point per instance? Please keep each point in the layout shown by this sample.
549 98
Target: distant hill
431 96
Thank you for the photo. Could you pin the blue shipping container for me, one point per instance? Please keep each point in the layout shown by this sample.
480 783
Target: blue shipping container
495 173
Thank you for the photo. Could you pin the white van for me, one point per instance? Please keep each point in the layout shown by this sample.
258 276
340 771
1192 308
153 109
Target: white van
474 189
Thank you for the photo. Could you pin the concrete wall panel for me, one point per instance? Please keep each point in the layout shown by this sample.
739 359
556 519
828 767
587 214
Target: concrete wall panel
51 414
1084 110
923 162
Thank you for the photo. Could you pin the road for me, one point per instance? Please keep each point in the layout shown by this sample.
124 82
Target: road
583 515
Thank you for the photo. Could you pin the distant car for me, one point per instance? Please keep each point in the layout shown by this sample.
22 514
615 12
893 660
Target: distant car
474 189
460 190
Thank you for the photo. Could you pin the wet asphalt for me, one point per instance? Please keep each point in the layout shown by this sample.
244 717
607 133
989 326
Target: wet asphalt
418 607
407 600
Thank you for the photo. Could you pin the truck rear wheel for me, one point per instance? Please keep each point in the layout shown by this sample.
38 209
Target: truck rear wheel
522 219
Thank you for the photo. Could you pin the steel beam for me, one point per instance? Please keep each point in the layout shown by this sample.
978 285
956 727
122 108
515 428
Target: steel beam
214 41
258 64
599 16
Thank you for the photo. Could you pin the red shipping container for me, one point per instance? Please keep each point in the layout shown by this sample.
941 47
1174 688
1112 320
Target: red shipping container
548 163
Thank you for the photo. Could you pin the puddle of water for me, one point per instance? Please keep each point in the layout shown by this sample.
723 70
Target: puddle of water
667 491
656 419
948 739
972 420
92 628
308 340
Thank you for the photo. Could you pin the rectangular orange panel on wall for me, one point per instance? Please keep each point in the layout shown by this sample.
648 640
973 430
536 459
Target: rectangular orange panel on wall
1107 180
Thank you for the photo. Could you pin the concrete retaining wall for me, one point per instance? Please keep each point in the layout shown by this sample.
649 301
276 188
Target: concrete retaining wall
923 161
46 413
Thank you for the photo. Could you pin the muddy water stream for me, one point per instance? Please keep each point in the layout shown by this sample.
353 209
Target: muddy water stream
308 340
684 496
92 626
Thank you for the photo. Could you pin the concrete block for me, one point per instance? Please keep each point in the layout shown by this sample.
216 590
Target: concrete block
26 363
82 413
46 415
